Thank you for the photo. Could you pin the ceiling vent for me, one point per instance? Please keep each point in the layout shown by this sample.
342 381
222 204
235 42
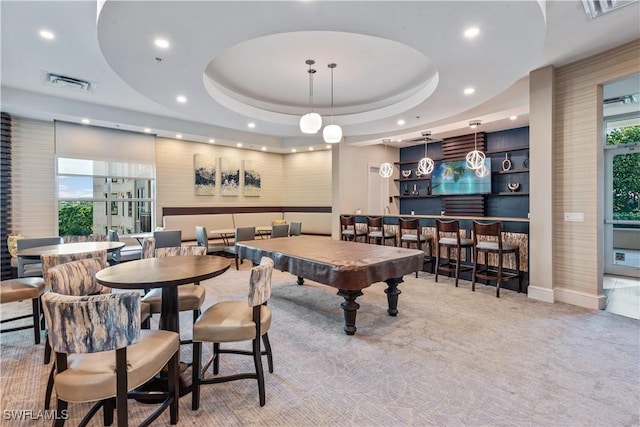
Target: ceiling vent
622 100
67 82
595 8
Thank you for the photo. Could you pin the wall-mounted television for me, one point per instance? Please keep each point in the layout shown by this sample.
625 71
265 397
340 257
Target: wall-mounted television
451 178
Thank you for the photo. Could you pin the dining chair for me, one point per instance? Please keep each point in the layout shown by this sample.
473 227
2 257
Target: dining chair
280 230
348 229
232 322
101 354
202 238
23 288
33 267
242 234
167 238
411 234
127 253
190 297
448 237
376 231
295 229
482 232
87 238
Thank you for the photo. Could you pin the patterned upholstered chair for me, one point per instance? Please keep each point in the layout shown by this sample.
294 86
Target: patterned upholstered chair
101 354
89 238
190 297
78 278
235 321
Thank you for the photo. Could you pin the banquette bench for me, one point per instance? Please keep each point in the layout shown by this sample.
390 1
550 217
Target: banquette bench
315 220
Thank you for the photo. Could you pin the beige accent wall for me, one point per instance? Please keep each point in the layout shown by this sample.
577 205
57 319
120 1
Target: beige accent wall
33 186
578 172
300 179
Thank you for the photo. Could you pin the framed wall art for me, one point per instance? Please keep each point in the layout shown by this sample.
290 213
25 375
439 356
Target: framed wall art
229 177
252 178
204 169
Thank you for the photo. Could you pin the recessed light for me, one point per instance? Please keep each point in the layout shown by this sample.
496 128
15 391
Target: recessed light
239 144
310 148
212 141
513 117
181 99
251 125
293 150
469 91
147 130
161 43
400 122
46 34
179 136
328 147
86 121
264 148
471 32
398 140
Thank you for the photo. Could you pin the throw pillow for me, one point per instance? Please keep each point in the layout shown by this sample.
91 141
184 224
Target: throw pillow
12 243
278 222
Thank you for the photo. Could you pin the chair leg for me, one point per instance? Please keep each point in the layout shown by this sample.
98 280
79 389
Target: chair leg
257 361
437 264
237 266
49 391
35 305
475 269
458 253
121 388
107 411
174 387
60 407
195 375
47 352
216 358
518 270
267 347
499 279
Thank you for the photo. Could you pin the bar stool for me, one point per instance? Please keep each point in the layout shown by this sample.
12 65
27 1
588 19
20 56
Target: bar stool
456 242
409 238
498 247
349 230
375 230
14 290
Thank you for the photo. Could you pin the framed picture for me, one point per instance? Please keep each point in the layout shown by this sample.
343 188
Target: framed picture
204 171
252 179
229 177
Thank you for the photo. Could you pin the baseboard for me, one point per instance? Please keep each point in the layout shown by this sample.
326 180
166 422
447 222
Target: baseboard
581 299
540 294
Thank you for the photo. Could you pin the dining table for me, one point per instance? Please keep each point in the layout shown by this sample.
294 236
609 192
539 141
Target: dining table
69 248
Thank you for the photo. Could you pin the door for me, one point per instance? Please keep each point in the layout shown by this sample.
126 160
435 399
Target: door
378 191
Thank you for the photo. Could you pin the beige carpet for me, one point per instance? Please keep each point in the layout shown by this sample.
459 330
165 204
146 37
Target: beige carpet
451 357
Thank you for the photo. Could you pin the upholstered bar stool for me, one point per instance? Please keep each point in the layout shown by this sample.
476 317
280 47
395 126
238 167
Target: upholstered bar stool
15 290
411 233
376 231
456 242
349 231
494 246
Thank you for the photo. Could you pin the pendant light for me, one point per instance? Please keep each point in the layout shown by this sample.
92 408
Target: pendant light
310 122
332 134
386 169
426 165
475 158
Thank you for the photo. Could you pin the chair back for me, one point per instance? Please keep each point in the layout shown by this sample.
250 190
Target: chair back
168 238
76 278
374 223
89 238
280 230
91 324
493 230
180 251
260 282
148 247
202 237
113 236
452 226
295 229
27 243
245 233
51 260
347 221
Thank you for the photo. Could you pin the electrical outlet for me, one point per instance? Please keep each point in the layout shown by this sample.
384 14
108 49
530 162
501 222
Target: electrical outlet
574 216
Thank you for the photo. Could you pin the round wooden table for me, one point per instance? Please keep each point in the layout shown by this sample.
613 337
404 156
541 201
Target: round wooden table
69 248
167 273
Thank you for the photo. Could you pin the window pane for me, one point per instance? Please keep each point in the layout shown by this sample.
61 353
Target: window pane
82 167
623 131
79 187
626 187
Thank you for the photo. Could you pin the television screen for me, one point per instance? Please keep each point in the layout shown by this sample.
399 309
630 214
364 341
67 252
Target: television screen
450 178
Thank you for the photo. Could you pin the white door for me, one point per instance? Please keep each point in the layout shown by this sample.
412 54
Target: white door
378 192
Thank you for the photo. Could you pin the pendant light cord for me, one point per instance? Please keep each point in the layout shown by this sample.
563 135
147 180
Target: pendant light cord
332 66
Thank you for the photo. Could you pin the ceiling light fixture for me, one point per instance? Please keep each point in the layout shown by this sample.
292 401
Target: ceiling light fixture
86 121
310 122
400 122
426 164
251 125
161 43
147 130
179 136
471 32
386 169
46 34
181 99
475 158
513 117
264 148
332 133
212 141
310 148
469 91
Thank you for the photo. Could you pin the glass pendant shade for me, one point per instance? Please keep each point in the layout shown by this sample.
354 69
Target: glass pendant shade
332 134
310 123
475 159
482 171
425 166
386 170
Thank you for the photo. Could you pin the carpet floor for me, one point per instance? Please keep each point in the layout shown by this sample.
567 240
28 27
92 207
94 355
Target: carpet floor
450 357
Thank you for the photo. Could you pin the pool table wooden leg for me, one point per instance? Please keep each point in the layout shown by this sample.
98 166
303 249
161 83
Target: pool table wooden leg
350 307
392 294
300 281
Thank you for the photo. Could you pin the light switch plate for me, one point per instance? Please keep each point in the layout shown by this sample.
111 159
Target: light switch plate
574 216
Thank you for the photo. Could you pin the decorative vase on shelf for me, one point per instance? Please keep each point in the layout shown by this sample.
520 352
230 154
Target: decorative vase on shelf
429 187
406 173
415 190
406 190
506 163
513 187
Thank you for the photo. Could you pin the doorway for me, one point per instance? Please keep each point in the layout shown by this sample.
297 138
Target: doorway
378 191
